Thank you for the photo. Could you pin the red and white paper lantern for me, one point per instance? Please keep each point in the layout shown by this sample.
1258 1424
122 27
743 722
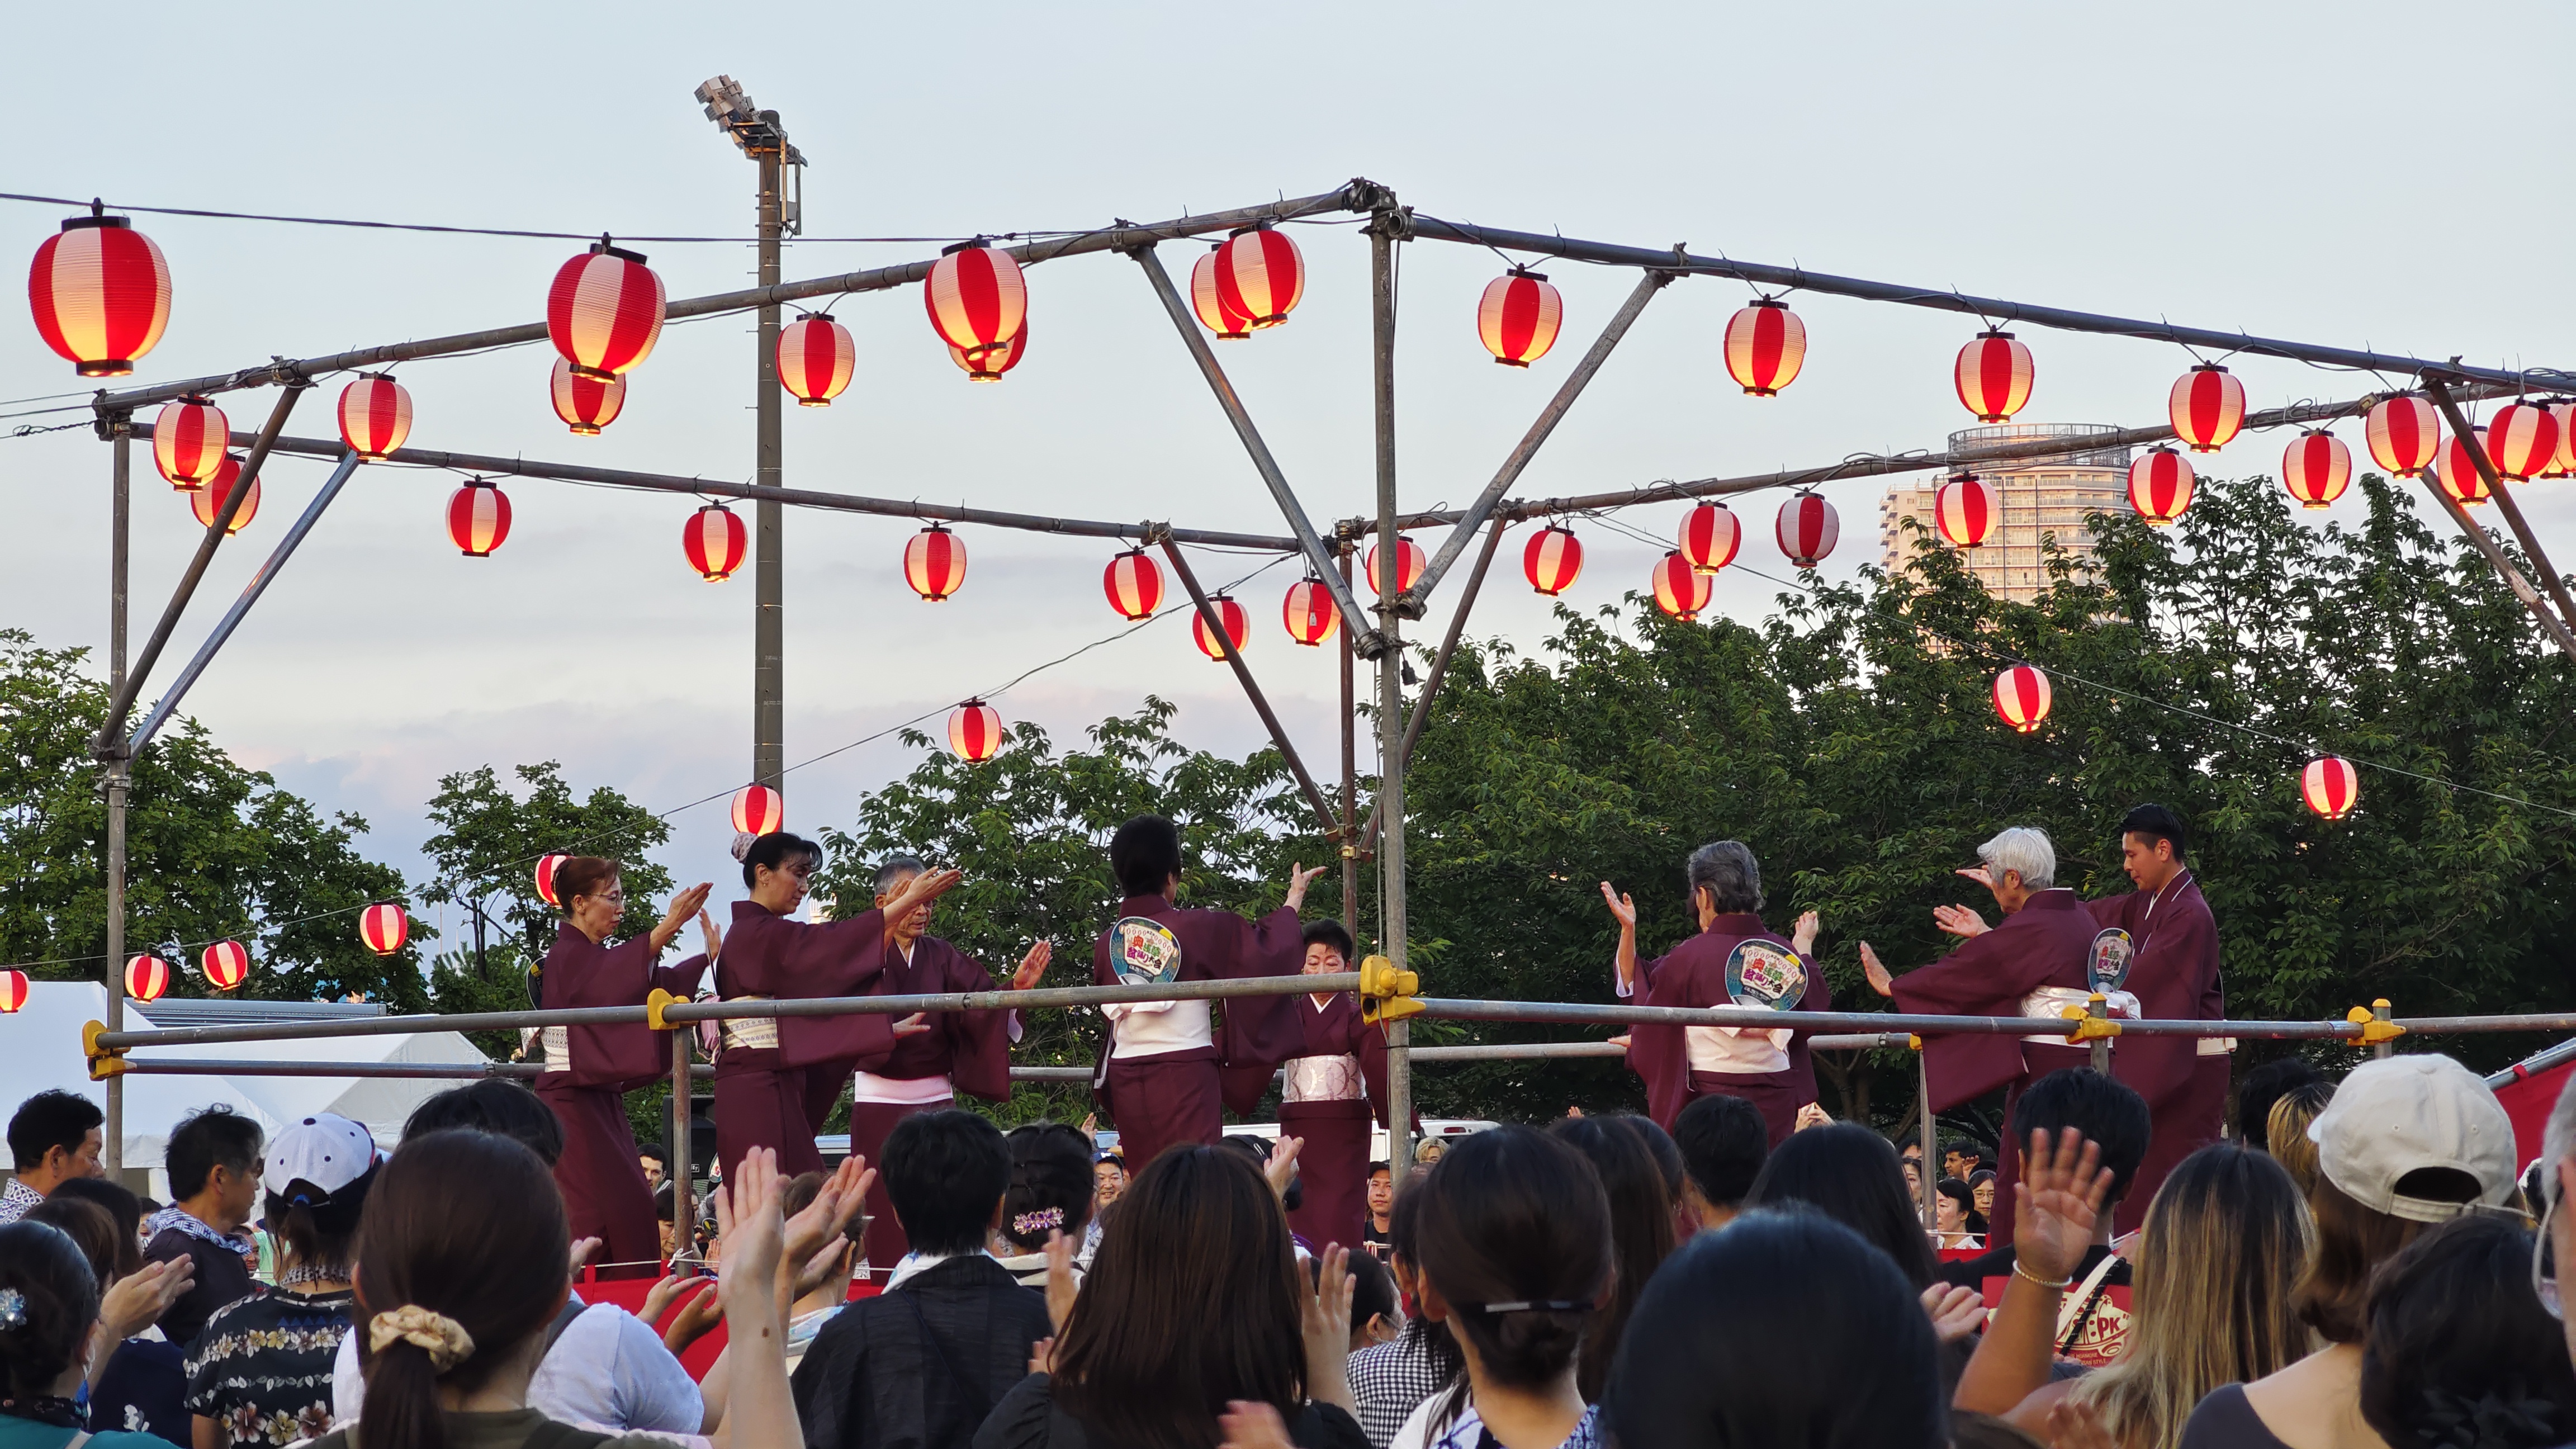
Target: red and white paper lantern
2316 468
2207 407
204 502
586 404
2160 486
934 563
2331 786
1308 612
546 878
815 359
2522 441
759 810
1260 274
147 978
604 312
1711 534
1411 561
993 361
13 991
1993 376
1238 627
2022 698
1807 529
714 541
2564 413
1228 324
226 964
478 518
384 927
1553 560
1518 317
1766 344
2405 432
100 292
1966 510
974 731
2458 473
1681 590
977 300
1134 584
188 441
375 416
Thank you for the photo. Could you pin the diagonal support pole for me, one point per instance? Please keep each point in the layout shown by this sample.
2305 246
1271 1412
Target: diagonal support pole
1251 689
2522 589
1410 601
2440 393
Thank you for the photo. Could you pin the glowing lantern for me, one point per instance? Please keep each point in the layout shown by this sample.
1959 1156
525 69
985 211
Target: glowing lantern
1000 358
1766 344
1409 569
2565 463
2404 432
13 991
815 359
586 404
1681 590
1553 560
759 810
2207 407
2331 786
1966 509
1260 274
1228 324
1309 613
226 964
546 878
1993 376
478 518
604 312
934 563
2022 698
977 301
384 928
146 977
1134 584
1710 537
2459 475
2522 441
1807 529
101 294
204 501
974 731
714 541
1518 317
375 416
2160 484
1238 627
2316 468
188 442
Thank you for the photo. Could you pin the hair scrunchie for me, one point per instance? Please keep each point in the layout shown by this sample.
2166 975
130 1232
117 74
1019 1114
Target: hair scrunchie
442 1337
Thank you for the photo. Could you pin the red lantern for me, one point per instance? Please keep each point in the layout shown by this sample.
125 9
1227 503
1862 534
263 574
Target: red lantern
1228 324
977 301
2564 413
13 991
934 563
2207 406
1553 560
1409 569
2022 698
759 810
1134 584
1807 529
1309 613
586 404
188 442
375 416
974 731
204 501
815 359
546 878
2459 475
101 294
478 518
1000 358
714 541
226 964
1966 510
2316 468
2160 484
1993 376
604 311
1766 344
2331 786
1518 317
384 928
146 977
1238 627
2404 432
1710 537
2522 441
1681 590
1260 274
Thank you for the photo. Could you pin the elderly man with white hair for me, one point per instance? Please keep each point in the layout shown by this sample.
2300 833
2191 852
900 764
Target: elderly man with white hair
2043 942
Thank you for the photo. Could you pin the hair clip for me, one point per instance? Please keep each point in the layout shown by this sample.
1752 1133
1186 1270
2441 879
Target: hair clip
1535 1305
1037 1222
13 1309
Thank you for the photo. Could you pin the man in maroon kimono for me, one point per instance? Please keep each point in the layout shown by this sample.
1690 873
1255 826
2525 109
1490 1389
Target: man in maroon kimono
1334 1094
777 1078
964 1051
1158 1069
1769 1068
2175 978
2031 965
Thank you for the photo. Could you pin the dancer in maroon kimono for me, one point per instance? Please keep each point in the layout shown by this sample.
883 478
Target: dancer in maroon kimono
777 1078
1334 1094
589 1069
2175 978
1158 1070
964 1051
2031 965
1769 1068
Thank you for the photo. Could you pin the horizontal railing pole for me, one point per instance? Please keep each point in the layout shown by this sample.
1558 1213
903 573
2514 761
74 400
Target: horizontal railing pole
220 1067
1518 1051
1859 1041
1560 1011
2456 1025
1050 1074
2534 1064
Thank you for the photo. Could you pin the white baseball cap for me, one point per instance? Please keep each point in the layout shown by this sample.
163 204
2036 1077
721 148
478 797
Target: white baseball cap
2399 1115
325 1151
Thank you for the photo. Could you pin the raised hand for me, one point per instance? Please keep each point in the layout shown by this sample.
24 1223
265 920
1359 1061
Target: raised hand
1879 980
1977 873
1955 1312
1959 921
754 1234
2062 1187
1325 1323
1811 1115
1803 938
1281 1169
137 1300
923 888
1032 966
841 1197
1622 906
582 1248
683 906
913 1025
1298 879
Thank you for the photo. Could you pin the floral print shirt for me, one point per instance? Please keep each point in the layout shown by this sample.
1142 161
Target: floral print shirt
261 1369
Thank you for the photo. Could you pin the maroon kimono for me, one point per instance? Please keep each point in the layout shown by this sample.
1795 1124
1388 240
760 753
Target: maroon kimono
2175 978
1176 1096
972 1049
589 1069
1694 975
1334 1164
2045 943
776 1081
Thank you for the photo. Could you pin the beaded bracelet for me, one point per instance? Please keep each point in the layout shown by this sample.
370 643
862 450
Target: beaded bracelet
2058 1287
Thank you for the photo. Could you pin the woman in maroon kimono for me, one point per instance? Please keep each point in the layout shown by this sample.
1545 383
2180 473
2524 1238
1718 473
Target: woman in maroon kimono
2175 977
776 1079
1768 1068
1335 1092
1158 1068
589 1069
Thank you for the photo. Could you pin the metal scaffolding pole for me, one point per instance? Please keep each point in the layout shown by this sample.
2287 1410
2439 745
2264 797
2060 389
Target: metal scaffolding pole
119 766
1349 840
769 599
1383 229
2480 459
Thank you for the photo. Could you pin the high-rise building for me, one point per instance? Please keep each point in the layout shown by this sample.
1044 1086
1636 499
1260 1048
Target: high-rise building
2038 499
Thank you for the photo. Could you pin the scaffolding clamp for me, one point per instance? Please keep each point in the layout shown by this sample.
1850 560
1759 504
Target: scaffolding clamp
1386 994
104 1062
2375 1026
653 1008
2092 1020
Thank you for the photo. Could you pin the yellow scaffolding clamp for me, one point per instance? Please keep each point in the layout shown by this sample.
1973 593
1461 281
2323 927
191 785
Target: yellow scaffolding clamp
653 1007
1386 994
103 1062
2092 1021
2376 1028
